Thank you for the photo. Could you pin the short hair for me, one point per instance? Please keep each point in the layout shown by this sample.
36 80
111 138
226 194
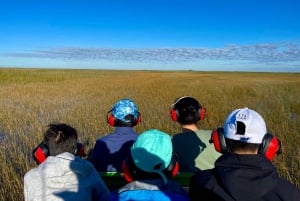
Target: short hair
128 117
235 145
188 109
60 138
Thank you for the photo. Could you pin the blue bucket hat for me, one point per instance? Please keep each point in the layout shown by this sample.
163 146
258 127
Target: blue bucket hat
152 151
124 107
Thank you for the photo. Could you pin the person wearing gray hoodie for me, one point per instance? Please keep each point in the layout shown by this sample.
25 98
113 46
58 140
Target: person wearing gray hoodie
62 174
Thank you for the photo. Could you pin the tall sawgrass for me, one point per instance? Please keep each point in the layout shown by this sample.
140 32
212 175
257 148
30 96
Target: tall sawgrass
30 99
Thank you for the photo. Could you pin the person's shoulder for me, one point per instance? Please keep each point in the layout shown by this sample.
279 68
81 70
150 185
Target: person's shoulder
32 173
206 173
35 173
204 135
204 176
204 132
103 137
288 188
85 163
86 170
183 134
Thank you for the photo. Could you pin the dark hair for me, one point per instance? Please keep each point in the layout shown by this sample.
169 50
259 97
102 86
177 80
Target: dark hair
131 123
235 145
188 109
60 137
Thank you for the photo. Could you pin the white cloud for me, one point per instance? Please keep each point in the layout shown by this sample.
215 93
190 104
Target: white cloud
232 57
259 53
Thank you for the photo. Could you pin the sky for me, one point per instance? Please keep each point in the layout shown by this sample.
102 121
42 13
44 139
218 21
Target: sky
210 35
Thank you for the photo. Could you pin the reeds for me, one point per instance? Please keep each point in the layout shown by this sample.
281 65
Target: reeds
30 99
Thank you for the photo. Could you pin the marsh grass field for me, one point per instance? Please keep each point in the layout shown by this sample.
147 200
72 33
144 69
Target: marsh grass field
30 99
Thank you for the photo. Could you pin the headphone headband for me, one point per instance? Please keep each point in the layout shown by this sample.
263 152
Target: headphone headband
179 99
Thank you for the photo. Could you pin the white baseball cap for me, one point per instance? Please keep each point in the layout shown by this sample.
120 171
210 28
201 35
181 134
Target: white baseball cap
245 125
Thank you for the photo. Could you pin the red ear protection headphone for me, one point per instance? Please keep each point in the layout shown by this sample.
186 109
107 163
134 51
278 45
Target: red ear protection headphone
270 145
112 121
41 152
131 172
218 139
174 113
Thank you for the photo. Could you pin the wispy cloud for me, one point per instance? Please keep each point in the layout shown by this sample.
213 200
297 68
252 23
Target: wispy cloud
261 53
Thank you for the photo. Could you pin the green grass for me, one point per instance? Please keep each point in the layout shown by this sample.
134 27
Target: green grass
32 98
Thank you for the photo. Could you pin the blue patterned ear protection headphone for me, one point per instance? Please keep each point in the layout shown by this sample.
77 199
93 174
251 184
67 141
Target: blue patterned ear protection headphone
121 110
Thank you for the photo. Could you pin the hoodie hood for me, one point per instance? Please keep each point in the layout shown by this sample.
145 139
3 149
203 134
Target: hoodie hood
246 177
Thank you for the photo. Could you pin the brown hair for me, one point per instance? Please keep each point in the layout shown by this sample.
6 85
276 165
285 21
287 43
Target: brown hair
235 145
60 138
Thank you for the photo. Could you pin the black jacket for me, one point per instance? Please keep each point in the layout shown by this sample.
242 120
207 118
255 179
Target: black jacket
242 178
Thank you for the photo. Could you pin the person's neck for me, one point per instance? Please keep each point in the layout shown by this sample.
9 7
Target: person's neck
245 152
189 127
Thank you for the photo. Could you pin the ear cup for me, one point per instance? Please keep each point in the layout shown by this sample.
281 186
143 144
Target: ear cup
138 120
174 114
111 120
202 112
270 146
218 139
40 153
80 150
130 170
126 171
173 168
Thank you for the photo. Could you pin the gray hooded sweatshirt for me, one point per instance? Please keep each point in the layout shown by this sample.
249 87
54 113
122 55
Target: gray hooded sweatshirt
64 177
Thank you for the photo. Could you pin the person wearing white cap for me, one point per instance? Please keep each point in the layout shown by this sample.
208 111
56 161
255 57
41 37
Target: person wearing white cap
110 150
149 170
244 172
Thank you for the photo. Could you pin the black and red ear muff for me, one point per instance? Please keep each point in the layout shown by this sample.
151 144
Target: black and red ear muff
202 112
80 150
126 172
270 146
112 121
218 139
130 172
40 153
174 114
173 168
138 120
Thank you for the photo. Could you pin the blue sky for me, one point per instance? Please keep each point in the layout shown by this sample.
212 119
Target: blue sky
233 35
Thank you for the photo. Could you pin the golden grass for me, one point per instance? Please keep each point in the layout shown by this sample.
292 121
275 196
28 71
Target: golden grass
32 98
